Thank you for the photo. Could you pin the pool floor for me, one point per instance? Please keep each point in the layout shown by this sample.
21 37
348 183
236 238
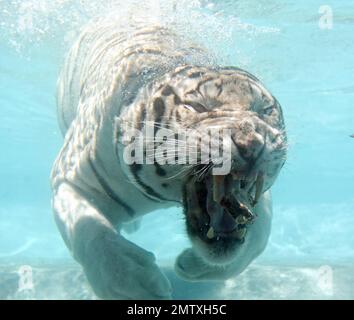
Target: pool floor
66 281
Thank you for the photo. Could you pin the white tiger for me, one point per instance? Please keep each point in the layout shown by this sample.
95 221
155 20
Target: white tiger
138 73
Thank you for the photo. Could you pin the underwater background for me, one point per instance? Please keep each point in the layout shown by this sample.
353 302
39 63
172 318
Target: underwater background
303 51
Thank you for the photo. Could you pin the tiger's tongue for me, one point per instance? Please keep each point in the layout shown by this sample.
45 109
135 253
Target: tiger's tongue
220 219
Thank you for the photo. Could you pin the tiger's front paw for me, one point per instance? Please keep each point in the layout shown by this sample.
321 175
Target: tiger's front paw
118 269
190 266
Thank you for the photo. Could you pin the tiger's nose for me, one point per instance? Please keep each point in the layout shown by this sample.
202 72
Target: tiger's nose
248 141
250 147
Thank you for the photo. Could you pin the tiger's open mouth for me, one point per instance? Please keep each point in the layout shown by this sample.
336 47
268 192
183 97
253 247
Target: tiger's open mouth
221 207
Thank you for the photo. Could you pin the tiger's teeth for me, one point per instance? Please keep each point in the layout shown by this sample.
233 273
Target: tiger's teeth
240 219
240 234
218 188
259 188
210 234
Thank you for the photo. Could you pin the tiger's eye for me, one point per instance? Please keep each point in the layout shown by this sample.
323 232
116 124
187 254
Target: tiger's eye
268 110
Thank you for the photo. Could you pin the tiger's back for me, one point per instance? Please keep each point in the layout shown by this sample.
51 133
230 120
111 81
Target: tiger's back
124 56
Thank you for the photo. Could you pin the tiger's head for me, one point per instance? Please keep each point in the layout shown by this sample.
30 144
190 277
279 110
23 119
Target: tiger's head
219 207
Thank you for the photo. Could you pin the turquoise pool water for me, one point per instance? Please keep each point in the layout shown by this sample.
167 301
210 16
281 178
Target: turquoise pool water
306 60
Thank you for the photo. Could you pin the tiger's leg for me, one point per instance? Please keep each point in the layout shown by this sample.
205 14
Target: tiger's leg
115 267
